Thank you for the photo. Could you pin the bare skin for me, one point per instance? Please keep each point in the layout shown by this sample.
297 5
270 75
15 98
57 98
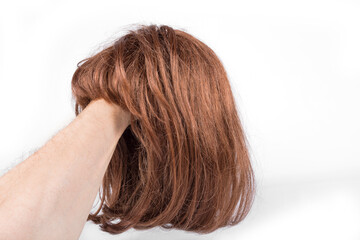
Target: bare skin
50 194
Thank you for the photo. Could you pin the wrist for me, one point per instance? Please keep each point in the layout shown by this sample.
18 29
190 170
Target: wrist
109 115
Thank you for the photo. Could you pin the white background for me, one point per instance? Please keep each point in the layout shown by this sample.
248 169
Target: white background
295 71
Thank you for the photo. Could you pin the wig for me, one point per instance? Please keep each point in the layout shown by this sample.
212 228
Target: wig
183 162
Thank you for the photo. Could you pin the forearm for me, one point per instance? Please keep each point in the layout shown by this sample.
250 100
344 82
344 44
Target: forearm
50 194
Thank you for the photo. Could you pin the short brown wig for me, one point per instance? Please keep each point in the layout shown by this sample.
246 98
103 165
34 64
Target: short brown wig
183 162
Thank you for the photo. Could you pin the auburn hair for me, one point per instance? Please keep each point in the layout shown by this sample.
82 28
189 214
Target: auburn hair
183 162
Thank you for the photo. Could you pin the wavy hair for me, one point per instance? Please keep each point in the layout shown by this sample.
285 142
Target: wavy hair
183 162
